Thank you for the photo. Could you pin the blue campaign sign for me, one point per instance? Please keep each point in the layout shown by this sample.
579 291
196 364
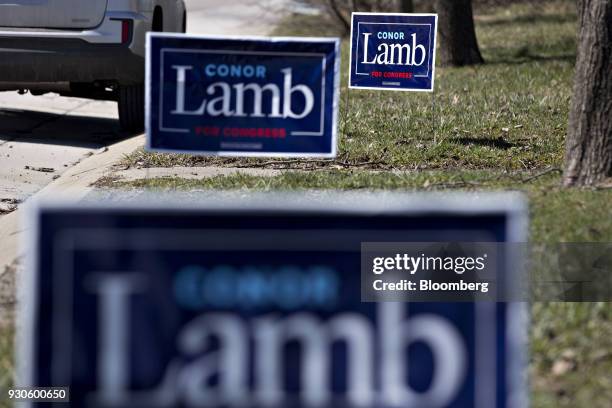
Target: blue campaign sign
393 51
228 96
258 305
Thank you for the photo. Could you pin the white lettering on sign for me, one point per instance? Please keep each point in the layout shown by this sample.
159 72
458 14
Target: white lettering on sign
229 101
114 293
247 357
395 54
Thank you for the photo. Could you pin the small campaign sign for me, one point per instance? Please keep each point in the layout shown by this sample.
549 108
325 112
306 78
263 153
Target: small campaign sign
256 303
231 96
393 51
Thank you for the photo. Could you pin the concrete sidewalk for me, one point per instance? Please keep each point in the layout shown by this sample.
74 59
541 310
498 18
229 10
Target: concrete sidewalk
44 167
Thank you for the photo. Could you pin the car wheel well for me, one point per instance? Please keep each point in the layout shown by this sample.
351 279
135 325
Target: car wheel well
158 19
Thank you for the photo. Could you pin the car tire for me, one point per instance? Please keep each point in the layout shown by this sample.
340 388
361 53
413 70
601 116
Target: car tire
131 101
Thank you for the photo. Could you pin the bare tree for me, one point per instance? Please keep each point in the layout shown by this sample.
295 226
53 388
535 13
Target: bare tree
340 14
458 44
406 6
588 158
341 9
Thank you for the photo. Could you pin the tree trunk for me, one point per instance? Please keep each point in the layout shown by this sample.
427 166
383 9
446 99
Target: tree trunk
406 6
458 44
337 12
588 157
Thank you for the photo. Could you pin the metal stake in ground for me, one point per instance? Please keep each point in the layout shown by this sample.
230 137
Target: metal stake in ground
433 115
347 104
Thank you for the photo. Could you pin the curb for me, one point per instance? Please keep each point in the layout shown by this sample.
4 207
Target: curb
74 183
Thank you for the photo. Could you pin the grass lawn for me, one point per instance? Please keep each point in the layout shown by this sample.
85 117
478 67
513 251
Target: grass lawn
6 362
7 332
509 114
498 126
6 349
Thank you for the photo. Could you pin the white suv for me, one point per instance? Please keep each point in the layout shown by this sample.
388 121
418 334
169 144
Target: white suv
83 48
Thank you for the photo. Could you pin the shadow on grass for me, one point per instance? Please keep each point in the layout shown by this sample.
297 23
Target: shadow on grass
504 58
558 18
498 143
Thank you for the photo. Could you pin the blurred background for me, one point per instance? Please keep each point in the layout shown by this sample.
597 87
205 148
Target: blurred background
498 119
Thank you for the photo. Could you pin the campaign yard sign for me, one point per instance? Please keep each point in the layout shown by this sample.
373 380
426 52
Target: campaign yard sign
393 51
230 96
257 304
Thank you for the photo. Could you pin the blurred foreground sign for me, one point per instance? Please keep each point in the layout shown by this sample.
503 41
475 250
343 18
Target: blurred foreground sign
258 305
393 51
235 97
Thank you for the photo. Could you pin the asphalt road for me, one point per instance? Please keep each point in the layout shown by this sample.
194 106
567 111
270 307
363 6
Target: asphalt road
43 136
